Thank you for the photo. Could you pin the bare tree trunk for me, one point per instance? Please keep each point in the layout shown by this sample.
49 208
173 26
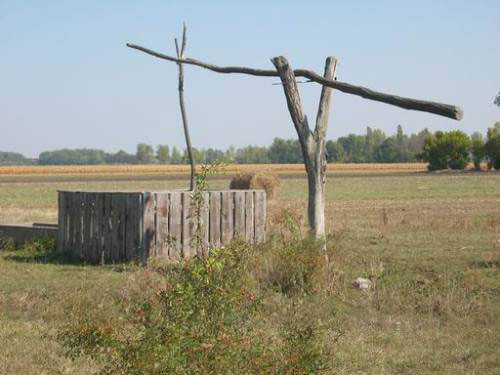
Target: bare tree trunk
312 143
180 56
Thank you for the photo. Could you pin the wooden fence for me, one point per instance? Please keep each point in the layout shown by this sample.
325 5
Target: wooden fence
104 227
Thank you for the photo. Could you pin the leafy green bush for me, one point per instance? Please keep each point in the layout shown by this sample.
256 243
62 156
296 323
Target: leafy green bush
492 146
211 315
447 150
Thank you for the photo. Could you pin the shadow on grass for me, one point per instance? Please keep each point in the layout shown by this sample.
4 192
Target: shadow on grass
486 263
43 251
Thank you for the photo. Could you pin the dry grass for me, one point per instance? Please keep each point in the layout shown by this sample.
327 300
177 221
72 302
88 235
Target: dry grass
268 181
162 169
429 244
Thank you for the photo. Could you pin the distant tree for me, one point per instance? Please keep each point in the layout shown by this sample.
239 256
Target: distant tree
388 151
354 148
373 140
213 155
492 146
252 155
198 155
13 158
72 156
145 154
163 154
285 151
497 100
402 144
477 149
335 151
230 155
415 144
175 157
447 150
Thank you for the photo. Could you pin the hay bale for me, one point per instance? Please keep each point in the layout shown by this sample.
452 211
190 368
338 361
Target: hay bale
267 181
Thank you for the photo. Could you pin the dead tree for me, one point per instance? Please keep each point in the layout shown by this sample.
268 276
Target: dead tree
180 56
313 142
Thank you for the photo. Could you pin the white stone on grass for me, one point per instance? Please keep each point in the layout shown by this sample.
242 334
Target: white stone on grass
362 283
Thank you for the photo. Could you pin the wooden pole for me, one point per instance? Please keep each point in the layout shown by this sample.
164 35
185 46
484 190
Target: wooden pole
180 57
446 110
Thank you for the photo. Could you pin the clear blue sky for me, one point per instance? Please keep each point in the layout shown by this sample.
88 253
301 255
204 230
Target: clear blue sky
67 79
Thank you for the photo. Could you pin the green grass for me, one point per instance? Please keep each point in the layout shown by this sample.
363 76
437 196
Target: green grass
429 243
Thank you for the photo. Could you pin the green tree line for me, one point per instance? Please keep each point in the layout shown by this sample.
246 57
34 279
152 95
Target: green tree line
453 149
14 158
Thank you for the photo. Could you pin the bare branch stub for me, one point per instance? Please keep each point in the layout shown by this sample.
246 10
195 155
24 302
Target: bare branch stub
446 110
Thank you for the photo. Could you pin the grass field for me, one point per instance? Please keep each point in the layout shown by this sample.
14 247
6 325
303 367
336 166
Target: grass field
430 244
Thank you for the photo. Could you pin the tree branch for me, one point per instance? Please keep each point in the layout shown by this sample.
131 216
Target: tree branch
445 110
295 107
324 100
180 57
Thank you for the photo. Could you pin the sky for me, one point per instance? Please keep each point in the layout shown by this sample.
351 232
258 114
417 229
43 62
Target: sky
67 80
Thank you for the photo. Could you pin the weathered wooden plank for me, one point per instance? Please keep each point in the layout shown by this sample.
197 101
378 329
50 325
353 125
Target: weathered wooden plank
122 225
107 228
66 240
63 230
61 208
162 214
71 225
227 217
78 218
149 227
260 216
86 226
130 225
249 217
187 225
134 226
69 219
215 221
239 215
117 230
98 243
114 218
175 224
91 245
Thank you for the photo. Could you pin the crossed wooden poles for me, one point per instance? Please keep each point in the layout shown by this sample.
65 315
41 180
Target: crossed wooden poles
313 142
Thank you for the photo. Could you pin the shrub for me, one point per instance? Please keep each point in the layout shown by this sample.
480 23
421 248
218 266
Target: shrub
447 150
492 146
209 317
